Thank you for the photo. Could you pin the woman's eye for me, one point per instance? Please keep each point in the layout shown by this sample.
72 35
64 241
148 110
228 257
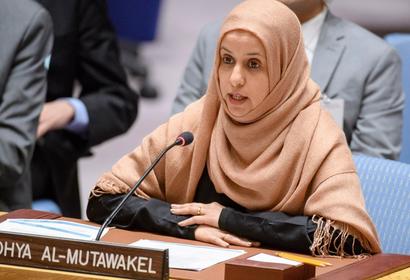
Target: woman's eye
227 59
253 64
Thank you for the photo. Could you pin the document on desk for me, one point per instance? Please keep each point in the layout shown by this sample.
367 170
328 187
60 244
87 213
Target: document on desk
190 257
272 259
51 228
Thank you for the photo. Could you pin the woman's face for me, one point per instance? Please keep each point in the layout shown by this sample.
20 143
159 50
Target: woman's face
243 73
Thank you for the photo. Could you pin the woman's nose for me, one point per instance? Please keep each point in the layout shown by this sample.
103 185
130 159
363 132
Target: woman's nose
237 78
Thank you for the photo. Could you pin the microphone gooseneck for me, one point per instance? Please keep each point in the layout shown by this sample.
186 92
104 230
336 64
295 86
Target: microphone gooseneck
183 139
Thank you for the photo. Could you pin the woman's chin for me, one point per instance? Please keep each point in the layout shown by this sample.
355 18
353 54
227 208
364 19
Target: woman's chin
237 112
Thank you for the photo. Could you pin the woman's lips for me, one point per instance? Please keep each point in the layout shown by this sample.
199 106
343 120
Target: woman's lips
236 99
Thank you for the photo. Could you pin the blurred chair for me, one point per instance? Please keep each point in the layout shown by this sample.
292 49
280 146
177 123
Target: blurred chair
46 205
386 189
135 21
401 42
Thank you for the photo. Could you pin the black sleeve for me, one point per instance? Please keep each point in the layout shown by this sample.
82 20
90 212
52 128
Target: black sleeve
112 106
147 215
279 230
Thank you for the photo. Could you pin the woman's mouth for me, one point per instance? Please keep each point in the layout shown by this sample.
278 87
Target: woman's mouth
236 98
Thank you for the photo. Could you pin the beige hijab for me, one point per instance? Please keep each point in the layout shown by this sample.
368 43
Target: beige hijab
287 154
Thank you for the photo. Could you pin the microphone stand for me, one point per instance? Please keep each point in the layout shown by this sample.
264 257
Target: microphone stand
137 184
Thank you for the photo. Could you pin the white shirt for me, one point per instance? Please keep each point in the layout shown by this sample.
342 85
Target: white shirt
311 31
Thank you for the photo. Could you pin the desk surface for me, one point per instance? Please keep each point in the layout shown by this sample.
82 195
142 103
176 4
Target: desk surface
124 236
214 272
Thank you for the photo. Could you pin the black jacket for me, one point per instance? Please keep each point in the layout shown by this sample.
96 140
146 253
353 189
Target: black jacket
85 50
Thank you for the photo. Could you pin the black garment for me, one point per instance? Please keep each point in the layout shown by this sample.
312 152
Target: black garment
274 229
85 50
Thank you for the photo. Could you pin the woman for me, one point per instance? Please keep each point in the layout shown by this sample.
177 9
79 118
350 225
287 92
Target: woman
268 164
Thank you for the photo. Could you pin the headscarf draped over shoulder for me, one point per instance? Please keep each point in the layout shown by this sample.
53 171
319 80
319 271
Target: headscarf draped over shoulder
286 154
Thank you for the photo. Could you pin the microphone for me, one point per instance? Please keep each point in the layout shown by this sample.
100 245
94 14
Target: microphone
185 138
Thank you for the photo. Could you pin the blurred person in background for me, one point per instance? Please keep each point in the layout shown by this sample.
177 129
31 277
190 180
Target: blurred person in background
85 51
359 75
26 37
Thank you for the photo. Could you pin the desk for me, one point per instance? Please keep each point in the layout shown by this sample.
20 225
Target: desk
124 236
213 272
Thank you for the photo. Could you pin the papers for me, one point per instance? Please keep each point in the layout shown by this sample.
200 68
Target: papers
272 259
190 257
51 228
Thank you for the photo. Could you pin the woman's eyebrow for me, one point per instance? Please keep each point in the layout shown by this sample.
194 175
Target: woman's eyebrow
254 53
224 48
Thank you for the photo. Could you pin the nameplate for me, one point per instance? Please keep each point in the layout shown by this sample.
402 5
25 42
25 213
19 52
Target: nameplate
95 257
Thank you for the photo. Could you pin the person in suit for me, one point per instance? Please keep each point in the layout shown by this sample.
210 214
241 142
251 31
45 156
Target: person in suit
268 165
26 40
351 66
85 51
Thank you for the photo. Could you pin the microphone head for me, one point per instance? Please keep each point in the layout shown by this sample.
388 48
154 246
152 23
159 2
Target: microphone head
185 138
